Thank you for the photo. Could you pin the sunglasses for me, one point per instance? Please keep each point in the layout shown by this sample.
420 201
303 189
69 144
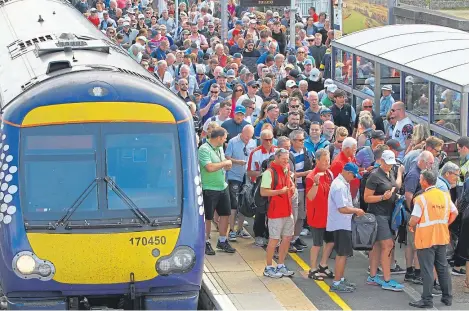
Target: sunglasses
201 74
238 90
268 139
340 141
367 107
214 92
392 118
300 52
245 151
295 106
283 96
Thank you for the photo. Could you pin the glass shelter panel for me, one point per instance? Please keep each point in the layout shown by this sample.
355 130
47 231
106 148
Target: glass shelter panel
416 96
343 67
447 108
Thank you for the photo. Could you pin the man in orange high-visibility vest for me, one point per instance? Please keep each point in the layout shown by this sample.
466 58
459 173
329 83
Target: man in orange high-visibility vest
432 214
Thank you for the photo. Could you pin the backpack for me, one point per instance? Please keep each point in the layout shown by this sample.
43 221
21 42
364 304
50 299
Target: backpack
399 220
261 203
247 206
364 232
363 204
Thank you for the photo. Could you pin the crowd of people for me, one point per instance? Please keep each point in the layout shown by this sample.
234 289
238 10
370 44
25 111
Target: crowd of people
268 114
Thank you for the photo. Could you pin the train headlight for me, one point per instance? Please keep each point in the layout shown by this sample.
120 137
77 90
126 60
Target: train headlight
181 260
26 264
44 270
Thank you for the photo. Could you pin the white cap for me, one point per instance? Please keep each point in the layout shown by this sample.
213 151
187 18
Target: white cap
275 14
143 38
314 75
290 83
409 79
331 88
126 23
141 16
389 157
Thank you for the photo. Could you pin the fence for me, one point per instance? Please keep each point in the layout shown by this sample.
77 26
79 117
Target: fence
320 5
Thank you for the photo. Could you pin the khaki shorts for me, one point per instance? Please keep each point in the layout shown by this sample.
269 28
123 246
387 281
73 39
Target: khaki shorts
281 227
410 235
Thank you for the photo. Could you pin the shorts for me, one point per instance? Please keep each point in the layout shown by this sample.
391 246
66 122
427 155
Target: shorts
235 188
384 228
343 243
281 227
301 205
216 200
320 235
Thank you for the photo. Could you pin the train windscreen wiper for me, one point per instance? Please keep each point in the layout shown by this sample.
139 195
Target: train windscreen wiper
78 201
128 201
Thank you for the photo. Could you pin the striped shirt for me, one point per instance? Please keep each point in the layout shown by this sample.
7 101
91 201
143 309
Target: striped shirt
299 167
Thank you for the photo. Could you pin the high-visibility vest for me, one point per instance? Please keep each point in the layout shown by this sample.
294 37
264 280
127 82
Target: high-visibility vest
432 228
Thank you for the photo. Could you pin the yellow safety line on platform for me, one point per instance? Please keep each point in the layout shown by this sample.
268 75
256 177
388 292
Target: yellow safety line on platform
323 285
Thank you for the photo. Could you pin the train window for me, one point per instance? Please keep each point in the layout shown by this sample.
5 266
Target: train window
143 164
447 108
57 166
416 96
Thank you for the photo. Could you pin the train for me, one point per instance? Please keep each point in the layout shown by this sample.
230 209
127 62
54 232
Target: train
100 192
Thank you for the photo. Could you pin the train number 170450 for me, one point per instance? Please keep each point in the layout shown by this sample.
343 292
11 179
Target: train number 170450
143 241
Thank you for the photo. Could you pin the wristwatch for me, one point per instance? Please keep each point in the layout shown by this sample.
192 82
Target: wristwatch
382 198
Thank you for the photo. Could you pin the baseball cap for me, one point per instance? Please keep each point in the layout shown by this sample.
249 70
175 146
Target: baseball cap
328 82
253 21
395 145
294 73
378 134
221 75
141 16
126 24
253 83
331 88
143 38
93 10
237 55
197 92
250 41
291 83
409 79
388 157
230 74
289 66
275 14
240 109
194 46
314 75
130 11
352 168
238 22
308 62
244 70
291 59
326 111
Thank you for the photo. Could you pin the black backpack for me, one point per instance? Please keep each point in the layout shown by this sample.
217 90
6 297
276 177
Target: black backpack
262 203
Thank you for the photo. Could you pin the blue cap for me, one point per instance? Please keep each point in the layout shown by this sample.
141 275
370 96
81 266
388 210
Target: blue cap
352 168
308 62
239 22
326 111
240 109
237 55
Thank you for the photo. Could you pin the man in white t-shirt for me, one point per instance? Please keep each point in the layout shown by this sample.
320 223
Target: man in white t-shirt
253 87
223 114
404 127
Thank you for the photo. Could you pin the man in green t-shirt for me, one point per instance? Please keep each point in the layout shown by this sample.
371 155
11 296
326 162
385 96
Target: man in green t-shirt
213 166
328 100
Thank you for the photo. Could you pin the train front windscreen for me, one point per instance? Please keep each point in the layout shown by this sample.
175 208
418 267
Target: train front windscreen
100 171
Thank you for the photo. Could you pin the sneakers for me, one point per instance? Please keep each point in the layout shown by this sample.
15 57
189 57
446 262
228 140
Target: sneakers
304 232
284 271
397 270
298 245
341 288
259 241
225 246
458 272
436 291
392 286
409 277
272 272
417 280
349 284
301 242
232 236
245 223
243 234
376 280
292 249
208 249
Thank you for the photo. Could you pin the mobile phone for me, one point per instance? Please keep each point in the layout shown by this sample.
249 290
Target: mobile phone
393 189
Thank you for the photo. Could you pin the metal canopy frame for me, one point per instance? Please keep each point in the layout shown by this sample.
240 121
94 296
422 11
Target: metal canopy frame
405 70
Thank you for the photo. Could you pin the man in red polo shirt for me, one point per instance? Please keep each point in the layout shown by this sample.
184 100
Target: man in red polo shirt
349 148
318 184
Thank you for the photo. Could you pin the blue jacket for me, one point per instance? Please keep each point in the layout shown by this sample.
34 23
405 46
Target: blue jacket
258 128
385 104
312 147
